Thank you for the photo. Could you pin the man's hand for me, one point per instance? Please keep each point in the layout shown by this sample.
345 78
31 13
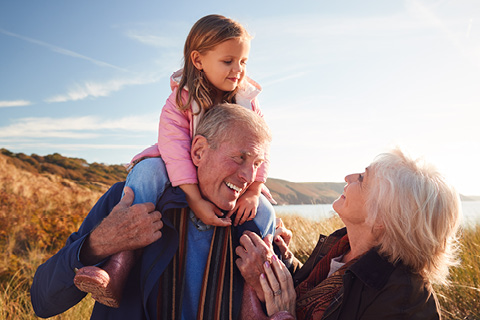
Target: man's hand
127 227
253 252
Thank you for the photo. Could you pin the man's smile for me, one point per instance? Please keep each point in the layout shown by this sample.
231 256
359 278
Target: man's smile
233 187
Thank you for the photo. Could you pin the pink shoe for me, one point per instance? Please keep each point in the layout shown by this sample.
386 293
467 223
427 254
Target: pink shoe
106 285
96 281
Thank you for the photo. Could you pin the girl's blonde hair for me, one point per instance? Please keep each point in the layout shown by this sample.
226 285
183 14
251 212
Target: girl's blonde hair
206 34
420 213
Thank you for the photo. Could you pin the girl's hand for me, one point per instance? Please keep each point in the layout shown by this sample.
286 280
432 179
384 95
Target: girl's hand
246 207
277 285
209 213
203 209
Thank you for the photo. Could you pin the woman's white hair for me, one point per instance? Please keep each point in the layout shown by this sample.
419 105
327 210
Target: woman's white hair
418 212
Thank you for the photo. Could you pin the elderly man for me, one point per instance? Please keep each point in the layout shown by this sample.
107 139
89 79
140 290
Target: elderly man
190 273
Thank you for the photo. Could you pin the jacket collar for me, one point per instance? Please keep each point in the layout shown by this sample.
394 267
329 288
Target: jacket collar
372 269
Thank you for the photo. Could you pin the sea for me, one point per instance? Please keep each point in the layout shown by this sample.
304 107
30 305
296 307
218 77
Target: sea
319 212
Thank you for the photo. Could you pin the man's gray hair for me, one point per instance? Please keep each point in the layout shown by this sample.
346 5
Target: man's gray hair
221 121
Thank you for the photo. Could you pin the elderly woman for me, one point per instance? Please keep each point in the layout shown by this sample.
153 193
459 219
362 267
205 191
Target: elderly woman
401 222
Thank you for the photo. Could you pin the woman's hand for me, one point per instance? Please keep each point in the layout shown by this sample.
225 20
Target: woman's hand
277 285
282 239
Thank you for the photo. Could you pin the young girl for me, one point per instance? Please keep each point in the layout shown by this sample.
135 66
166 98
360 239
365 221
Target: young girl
215 56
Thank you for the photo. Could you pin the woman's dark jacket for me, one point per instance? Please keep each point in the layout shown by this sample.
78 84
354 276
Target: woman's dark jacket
373 288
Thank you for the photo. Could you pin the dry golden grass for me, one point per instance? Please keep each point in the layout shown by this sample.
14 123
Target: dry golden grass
38 213
306 232
460 301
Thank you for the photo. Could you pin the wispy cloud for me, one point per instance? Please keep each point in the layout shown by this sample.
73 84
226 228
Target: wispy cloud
75 128
14 103
98 89
284 78
428 15
153 40
317 26
61 50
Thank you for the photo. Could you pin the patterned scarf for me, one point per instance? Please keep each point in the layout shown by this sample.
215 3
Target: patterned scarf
316 292
216 296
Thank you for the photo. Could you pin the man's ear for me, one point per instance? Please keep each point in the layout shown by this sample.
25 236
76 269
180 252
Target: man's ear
199 147
196 58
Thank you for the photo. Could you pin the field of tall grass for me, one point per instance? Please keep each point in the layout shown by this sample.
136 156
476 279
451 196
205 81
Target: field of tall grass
38 212
460 301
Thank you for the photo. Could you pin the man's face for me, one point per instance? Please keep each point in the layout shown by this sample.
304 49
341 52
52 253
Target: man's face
226 172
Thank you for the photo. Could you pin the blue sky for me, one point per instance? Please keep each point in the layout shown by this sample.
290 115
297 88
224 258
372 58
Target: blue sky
342 80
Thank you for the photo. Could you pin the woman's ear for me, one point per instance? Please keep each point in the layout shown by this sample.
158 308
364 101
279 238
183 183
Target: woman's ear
196 58
199 147
378 230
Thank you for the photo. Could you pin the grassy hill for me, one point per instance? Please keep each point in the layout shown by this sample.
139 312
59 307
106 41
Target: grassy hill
99 177
95 176
286 192
39 209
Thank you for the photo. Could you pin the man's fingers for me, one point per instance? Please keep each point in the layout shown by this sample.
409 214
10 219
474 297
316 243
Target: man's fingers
246 240
156 215
157 225
253 243
157 234
254 238
268 241
240 251
128 198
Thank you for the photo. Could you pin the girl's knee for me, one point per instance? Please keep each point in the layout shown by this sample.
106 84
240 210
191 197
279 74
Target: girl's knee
265 218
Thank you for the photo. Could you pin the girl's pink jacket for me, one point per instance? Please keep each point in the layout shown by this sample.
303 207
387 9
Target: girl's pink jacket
177 128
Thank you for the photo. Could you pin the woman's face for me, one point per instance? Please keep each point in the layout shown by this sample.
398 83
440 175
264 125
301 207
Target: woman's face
350 206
